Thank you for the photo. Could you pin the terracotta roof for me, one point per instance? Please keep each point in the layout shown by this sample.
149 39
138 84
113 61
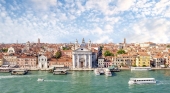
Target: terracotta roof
157 56
25 56
67 50
143 53
1 56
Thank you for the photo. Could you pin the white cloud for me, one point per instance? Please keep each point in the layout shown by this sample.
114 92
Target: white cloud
97 19
124 5
104 39
44 4
154 30
3 14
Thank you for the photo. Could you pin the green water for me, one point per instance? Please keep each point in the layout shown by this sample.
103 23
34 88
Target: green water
84 82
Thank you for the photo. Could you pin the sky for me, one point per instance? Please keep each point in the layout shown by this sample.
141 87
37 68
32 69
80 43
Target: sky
101 21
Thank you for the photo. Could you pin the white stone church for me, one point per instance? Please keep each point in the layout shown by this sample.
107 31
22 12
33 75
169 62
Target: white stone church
82 55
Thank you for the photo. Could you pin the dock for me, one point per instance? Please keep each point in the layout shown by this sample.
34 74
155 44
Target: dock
60 72
5 70
81 69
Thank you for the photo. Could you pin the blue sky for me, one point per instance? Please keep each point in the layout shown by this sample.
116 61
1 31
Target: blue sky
101 21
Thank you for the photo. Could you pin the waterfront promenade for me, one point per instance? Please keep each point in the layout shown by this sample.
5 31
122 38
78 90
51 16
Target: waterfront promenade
126 68
87 69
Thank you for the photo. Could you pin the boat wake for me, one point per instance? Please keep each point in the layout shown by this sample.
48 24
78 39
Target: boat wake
55 81
163 83
13 76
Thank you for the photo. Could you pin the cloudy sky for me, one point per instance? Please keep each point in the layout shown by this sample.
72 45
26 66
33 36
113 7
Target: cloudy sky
101 21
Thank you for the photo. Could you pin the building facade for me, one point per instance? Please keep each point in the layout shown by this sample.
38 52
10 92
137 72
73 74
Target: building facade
143 60
42 62
9 60
82 58
27 61
82 55
11 50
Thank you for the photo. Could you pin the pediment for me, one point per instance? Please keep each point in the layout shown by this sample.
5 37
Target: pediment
81 50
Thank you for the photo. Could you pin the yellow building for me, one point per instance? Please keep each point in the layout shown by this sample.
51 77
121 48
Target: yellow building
143 60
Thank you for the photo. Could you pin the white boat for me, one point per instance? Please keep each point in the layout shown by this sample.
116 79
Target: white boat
140 68
101 71
60 72
40 79
142 81
96 72
108 72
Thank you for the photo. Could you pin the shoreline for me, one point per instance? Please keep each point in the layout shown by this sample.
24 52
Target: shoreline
152 68
92 69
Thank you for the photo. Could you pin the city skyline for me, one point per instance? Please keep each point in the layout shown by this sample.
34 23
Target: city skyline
57 21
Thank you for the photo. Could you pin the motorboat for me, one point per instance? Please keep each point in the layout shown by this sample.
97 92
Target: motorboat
142 81
101 71
141 68
108 72
40 79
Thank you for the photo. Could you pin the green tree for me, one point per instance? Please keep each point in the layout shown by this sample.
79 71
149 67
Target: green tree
66 48
168 46
4 50
121 52
58 54
108 53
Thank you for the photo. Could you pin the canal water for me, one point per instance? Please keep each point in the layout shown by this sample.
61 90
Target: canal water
84 82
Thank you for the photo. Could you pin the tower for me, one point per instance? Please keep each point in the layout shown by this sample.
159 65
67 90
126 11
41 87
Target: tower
83 41
38 41
124 40
28 45
124 43
89 44
83 44
76 44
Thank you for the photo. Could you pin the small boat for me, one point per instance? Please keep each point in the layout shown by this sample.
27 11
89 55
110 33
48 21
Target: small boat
40 79
108 72
142 81
101 71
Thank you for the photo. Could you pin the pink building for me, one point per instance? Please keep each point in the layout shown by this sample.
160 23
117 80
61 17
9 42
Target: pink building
27 61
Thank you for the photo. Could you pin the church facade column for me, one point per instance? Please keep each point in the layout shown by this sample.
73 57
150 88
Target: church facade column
78 66
73 60
90 61
85 57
